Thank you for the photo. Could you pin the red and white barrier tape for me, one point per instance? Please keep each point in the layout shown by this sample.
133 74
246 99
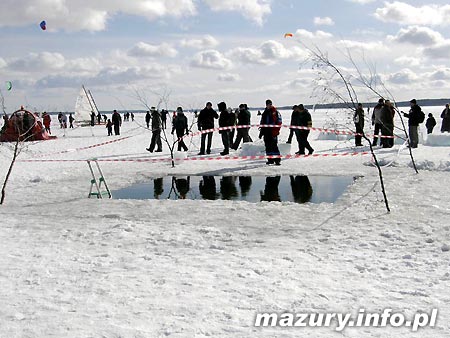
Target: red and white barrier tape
211 158
87 147
324 130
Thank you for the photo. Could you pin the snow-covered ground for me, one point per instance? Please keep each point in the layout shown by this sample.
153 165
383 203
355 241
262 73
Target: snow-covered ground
78 267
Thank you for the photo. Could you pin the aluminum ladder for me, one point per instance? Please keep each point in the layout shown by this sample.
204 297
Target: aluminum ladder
98 184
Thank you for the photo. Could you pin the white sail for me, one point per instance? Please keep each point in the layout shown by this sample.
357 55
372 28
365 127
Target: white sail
84 106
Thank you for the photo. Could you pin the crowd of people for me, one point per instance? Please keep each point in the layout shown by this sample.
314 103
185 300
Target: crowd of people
232 134
226 118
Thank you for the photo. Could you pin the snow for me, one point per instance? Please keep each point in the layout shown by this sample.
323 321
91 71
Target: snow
79 267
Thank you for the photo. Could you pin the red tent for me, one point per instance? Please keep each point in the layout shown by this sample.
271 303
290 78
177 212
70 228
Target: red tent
23 125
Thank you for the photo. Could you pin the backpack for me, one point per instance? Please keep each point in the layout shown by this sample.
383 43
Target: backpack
421 117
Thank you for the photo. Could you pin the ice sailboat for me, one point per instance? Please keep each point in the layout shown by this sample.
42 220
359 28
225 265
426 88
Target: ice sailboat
84 106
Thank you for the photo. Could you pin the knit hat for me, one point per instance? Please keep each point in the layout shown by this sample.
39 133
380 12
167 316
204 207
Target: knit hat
222 106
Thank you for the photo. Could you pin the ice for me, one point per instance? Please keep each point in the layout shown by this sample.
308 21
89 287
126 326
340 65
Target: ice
78 267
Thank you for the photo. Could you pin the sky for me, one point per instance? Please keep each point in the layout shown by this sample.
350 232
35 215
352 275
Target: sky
132 53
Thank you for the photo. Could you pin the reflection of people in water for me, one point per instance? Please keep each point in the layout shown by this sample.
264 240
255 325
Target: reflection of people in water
245 182
158 187
228 187
271 189
301 188
207 188
182 185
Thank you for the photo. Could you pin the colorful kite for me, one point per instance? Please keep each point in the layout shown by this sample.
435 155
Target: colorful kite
8 85
288 35
43 25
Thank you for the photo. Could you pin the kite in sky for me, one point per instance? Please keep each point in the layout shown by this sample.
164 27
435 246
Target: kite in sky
8 85
288 35
43 25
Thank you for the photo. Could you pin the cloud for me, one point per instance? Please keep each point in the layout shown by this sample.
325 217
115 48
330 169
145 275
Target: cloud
417 35
440 75
37 62
211 59
47 62
326 21
268 53
143 49
439 51
405 14
362 2
87 15
404 76
318 35
2 63
204 42
228 77
254 10
109 76
408 61
370 46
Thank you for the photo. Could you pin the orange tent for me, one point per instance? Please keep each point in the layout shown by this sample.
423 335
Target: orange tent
23 125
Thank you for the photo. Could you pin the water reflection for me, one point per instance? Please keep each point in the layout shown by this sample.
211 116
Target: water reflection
245 183
299 189
207 188
271 193
228 188
181 186
158 187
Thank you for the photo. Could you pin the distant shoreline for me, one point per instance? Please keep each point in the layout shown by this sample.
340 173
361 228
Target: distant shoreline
421 102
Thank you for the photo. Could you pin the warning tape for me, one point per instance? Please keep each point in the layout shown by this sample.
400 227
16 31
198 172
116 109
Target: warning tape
324 130
210 158
87 147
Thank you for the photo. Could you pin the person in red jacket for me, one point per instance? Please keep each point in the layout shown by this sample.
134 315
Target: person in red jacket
47 121
271 116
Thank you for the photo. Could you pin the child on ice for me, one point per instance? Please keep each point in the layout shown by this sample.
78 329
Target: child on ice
109 125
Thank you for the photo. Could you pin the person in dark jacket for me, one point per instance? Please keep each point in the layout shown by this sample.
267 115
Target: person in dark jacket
164 114
224 121
271 116
180 125
302 118
291 130
431 122
99 118
116 121
387 129
413 123
92 119
243 119
205 121
445 116
148 117
358 119
376 120
71 119
109 126
156 132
